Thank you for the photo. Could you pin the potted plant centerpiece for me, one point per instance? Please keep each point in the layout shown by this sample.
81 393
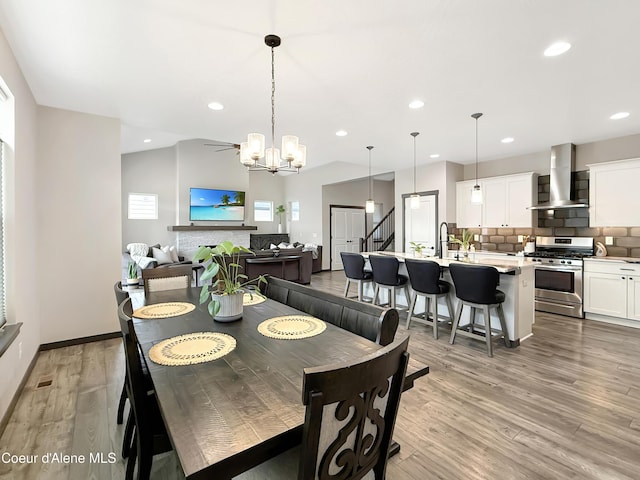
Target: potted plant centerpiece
465 242
225 293
132 273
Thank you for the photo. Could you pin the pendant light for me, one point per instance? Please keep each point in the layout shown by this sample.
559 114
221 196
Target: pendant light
369 205
476 193
251 151
415 198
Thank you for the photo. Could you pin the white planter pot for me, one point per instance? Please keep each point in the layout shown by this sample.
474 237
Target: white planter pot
132 281
230 307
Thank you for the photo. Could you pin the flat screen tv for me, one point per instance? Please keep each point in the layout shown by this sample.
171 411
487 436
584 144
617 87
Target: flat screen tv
216 205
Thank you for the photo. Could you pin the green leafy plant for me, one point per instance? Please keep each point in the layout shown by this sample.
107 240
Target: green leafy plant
224 271
467 238
279 211
132 270
417 247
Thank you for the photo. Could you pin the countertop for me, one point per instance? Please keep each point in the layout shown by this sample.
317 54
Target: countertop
510 265
614 259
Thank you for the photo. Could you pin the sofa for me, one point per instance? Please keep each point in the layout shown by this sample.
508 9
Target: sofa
150 256
267 241
292 264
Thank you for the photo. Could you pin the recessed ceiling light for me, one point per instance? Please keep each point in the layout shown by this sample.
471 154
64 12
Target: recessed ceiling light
147 140
434 155
416 104
215 106
507 140
556 49
341 133
619 115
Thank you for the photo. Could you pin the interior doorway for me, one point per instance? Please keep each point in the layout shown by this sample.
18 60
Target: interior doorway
348 226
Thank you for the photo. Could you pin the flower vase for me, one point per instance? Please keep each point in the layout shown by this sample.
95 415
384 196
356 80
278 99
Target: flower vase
279 228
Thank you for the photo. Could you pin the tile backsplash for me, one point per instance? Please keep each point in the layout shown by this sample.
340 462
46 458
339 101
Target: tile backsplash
570 222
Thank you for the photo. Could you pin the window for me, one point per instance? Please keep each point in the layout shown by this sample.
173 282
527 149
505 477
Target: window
143 206
262 211
295 211
3 316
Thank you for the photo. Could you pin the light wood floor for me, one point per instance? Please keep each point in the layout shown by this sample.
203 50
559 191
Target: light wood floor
564 405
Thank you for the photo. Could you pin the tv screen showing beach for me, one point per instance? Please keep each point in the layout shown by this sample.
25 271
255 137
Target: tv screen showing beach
210 204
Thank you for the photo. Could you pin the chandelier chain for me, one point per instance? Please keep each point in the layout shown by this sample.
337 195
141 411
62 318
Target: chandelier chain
273 99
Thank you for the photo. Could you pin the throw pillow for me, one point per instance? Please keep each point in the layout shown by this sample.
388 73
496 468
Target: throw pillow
138 249
273 245
162 257
172 252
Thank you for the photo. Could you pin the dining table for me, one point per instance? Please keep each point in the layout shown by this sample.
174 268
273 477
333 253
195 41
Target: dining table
226 416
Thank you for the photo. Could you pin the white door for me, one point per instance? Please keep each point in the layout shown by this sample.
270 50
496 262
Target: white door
347 228
420 224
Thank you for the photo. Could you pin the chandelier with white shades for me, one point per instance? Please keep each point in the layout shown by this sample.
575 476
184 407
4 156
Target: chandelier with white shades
294 155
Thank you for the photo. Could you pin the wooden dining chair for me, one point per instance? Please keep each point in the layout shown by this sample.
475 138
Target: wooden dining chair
350 416
150 436
166 278
121 296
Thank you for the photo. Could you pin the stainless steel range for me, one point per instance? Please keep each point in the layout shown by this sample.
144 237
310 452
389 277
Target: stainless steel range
558 273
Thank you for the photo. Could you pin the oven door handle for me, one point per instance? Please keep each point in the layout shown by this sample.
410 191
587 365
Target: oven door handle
559 269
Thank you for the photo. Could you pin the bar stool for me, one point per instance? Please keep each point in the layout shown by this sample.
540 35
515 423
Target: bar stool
476 287
386 276
354 270
424 276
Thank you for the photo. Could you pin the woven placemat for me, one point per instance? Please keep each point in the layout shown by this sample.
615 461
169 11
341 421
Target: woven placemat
252 299
292 327
164 310
192 348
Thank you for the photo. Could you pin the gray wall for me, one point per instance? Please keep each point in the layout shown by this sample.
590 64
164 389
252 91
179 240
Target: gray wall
586 153
171 172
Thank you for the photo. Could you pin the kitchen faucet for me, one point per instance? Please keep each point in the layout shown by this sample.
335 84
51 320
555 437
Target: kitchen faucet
445 241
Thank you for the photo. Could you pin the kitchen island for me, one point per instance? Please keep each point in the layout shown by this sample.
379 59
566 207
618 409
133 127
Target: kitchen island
516 281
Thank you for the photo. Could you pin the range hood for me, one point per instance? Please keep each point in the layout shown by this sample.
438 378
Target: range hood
563 161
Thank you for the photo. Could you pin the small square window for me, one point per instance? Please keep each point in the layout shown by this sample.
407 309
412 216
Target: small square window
143 206
262 211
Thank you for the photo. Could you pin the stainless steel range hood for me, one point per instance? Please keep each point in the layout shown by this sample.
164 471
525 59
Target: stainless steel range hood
563 161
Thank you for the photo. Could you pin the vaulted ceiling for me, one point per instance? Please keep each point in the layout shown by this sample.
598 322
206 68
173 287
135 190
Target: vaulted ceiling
353 65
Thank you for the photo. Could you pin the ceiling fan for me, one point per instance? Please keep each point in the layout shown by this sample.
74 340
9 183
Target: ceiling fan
223 146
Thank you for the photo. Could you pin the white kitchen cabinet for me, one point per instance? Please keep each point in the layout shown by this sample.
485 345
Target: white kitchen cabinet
612 288
633 296
613 190
505 202
468 215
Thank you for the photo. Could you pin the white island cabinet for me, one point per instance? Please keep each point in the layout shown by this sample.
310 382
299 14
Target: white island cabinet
516 281
612 290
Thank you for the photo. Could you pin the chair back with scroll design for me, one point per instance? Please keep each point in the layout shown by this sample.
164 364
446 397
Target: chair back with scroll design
350 415
167 278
